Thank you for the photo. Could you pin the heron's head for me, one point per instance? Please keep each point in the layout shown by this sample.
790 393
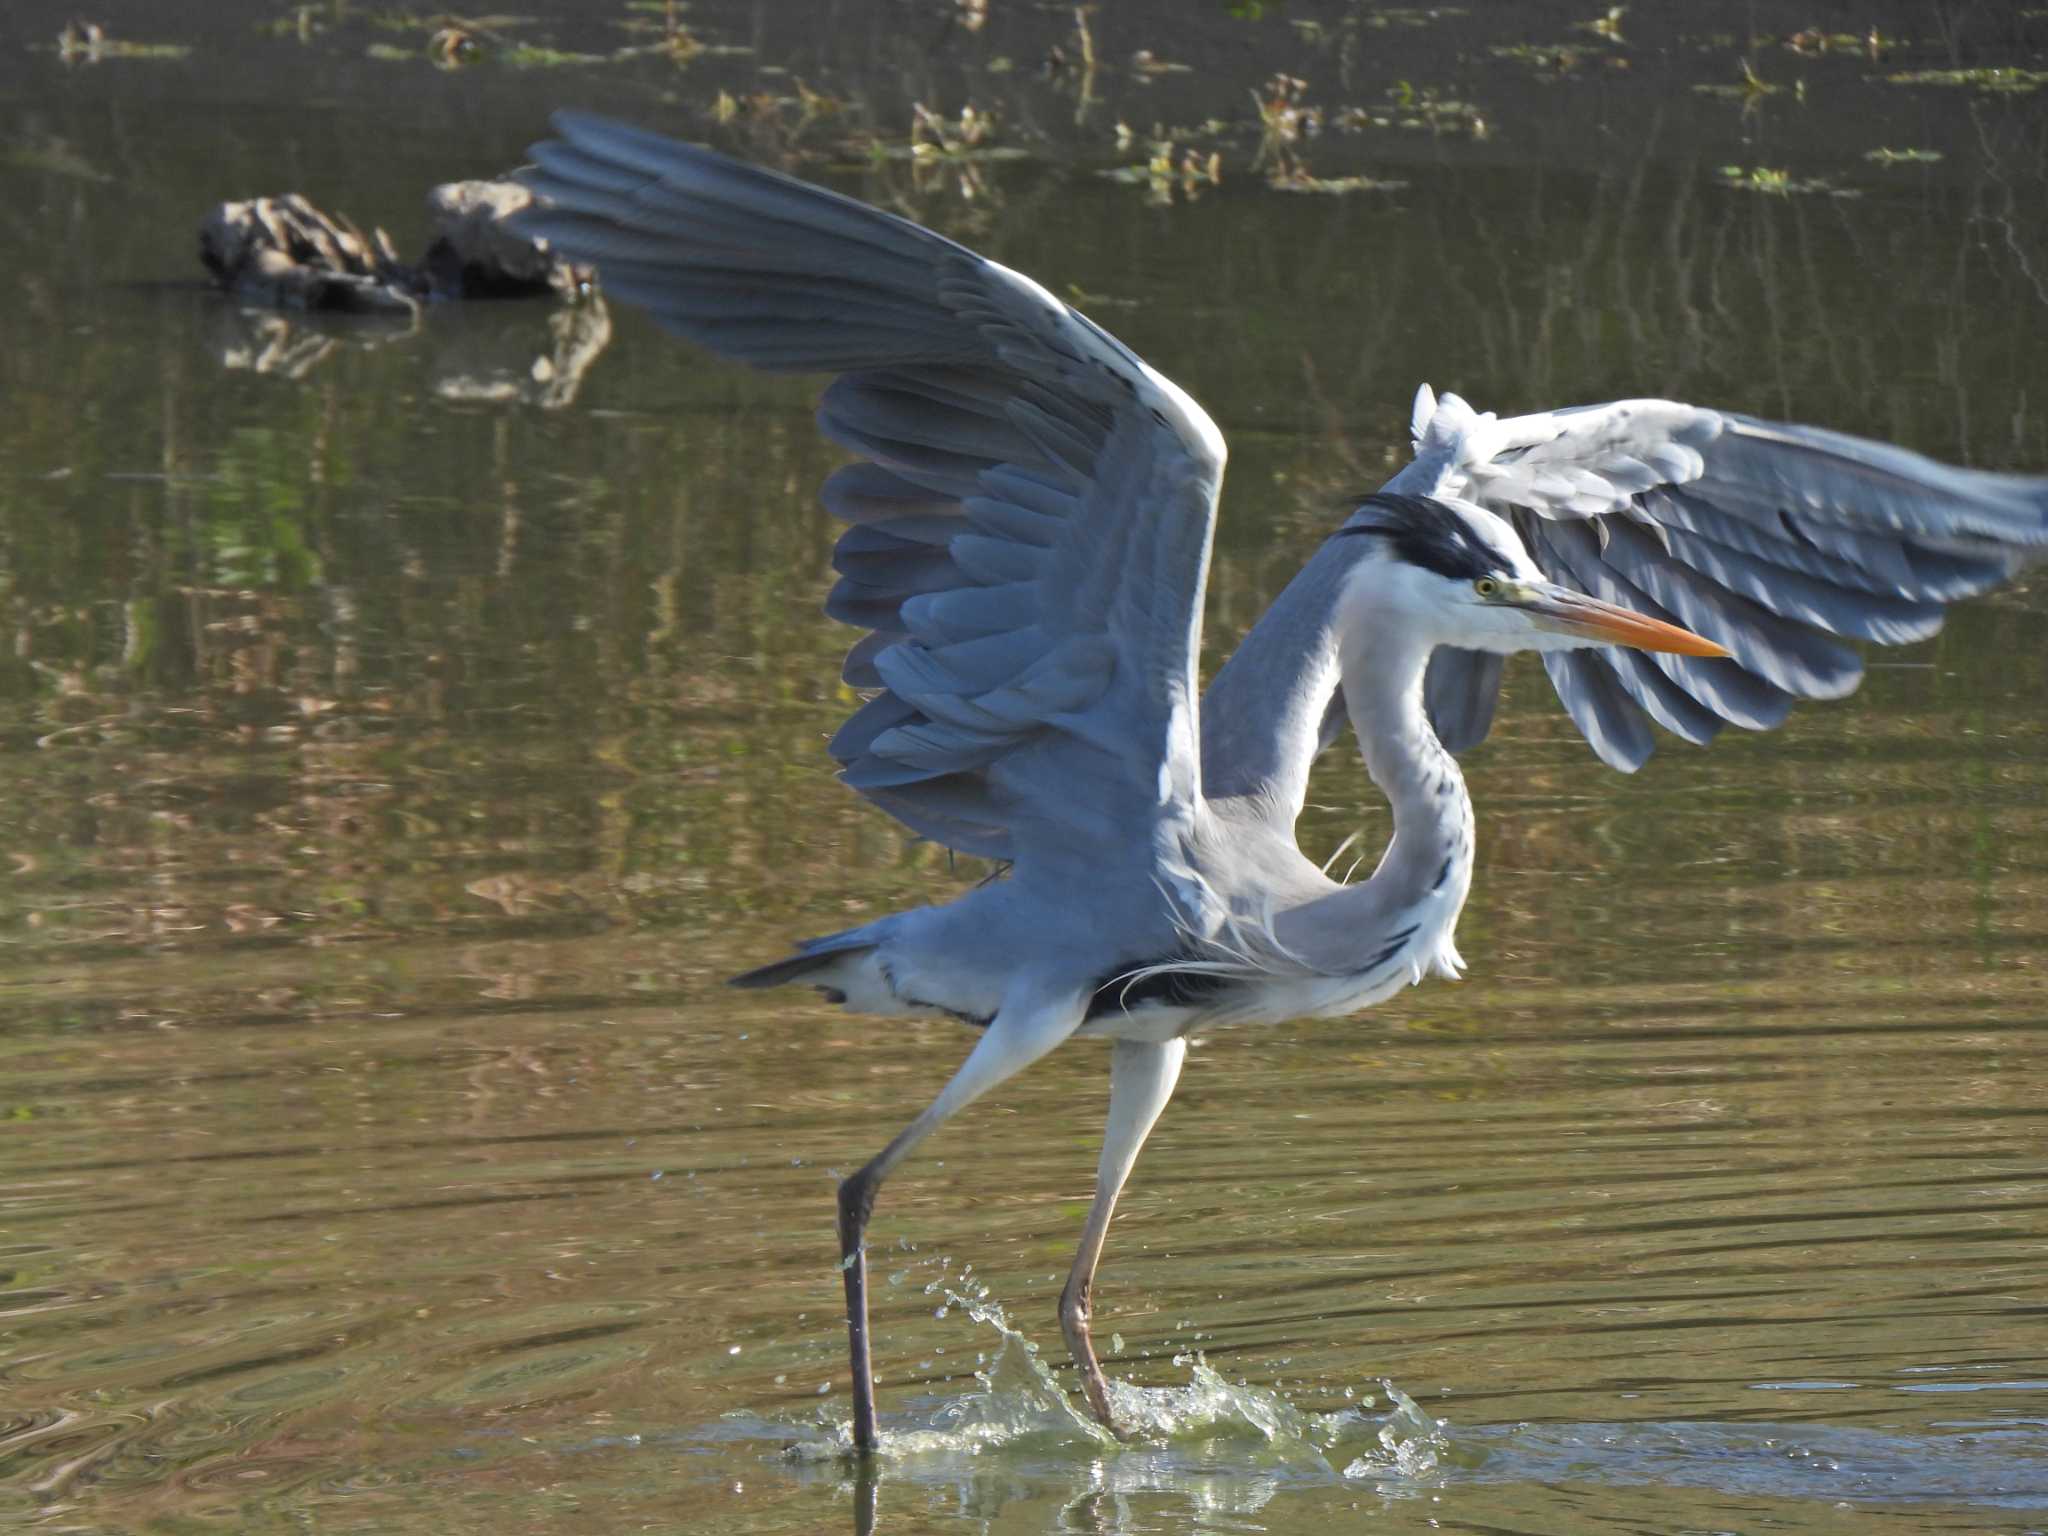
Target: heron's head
1451 573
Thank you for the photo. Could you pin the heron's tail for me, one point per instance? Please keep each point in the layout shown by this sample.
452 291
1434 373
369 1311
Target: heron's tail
781 972
812 956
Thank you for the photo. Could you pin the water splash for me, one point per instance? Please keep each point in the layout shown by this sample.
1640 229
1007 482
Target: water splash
1017 1406
1412 1444
1231 1448
1015 1400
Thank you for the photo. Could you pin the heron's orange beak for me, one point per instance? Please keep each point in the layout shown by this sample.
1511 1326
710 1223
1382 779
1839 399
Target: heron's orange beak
1574 613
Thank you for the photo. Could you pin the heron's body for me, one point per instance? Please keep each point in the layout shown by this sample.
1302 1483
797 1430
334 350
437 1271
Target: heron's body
1030 522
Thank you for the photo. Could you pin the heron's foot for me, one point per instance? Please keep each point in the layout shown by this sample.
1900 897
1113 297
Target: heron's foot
1095 1386
1074 1314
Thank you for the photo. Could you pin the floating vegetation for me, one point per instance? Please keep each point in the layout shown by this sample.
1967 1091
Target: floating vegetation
1425 108
780 121
1410 15
1145 63
1991 78
1813 42
86 42
1546 58
537 56
1608 26
1209 128
665 15
815 103
455 42
452 47
673 38
1750 89
1285 119
1161 175
948 152
1299 180
966 137
410 21
1903 156
304 23
1778 183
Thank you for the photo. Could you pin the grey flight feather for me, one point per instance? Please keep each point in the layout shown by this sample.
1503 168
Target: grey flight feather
1031 519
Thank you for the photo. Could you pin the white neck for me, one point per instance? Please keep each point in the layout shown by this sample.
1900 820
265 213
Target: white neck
1430 853
1334 630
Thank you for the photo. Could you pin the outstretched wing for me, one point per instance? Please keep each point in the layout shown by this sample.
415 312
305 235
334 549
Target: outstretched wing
1030 525
1784 544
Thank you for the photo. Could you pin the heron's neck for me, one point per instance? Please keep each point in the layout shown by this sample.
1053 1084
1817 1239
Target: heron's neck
1430 854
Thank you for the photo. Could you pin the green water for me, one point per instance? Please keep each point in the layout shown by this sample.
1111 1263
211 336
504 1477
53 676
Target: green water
392 766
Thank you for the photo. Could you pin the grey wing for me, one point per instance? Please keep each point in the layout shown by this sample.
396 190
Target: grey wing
1785 544
1030 523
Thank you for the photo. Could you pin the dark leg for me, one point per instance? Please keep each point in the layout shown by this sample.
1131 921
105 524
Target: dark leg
1023 1031
856 1202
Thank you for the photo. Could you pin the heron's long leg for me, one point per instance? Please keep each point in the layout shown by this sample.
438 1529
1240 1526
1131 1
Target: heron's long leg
1023 1030
1141 1078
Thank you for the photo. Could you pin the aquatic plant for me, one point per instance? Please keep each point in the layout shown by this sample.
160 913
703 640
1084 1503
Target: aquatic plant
2007 78
1778 183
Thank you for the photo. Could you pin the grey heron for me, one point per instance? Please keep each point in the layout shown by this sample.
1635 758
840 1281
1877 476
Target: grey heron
1030 512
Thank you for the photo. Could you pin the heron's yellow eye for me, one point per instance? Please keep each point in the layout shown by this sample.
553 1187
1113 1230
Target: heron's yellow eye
1486 586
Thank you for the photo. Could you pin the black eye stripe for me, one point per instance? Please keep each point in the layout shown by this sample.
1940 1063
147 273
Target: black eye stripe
1429 534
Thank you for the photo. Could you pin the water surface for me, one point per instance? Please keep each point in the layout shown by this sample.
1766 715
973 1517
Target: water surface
395 756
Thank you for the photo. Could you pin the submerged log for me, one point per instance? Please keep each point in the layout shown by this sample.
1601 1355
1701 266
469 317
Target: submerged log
476 255
282 253
286 253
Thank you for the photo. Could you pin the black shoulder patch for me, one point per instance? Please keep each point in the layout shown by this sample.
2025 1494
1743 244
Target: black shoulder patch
1174 989
1429 534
